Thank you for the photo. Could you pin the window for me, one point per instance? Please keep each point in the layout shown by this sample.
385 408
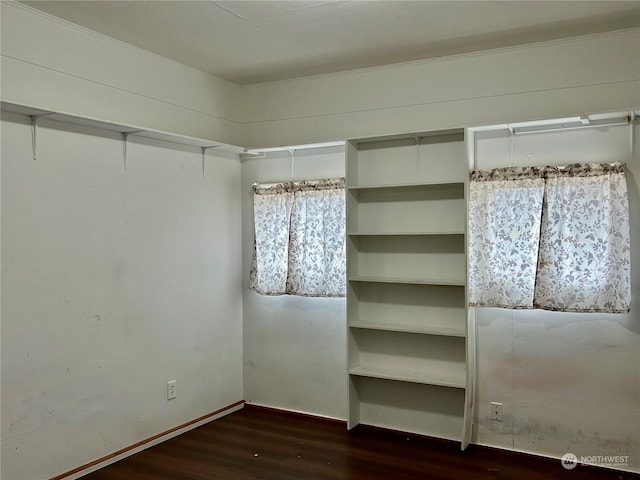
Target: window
551 238
300 246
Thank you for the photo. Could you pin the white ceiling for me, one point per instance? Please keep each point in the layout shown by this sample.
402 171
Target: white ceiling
255 41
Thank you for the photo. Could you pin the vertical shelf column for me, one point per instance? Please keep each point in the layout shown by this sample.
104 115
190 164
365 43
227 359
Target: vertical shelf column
407 311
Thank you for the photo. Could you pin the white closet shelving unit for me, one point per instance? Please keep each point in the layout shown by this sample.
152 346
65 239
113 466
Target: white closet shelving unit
410 339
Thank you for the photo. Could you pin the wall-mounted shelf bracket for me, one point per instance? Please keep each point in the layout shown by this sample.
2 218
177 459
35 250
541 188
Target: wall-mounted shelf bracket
204 151
417 139
125 137
34 132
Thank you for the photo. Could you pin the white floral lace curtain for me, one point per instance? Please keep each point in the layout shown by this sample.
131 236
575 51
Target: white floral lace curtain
504 229
552 238
300 246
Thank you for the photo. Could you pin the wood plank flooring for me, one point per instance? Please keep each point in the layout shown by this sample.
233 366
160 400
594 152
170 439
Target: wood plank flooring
264 444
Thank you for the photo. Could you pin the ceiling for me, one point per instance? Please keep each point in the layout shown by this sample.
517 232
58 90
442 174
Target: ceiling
255 41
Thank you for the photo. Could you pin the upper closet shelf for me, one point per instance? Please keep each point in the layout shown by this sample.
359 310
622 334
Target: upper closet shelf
445 183
415 136
119 127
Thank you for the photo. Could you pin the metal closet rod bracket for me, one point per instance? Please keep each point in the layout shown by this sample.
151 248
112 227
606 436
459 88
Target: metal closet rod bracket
292 152
632 133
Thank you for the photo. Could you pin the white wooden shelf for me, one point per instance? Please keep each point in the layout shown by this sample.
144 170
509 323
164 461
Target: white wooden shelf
428 309
411 281
452 331
425 208
408 357
414 185
140 131
380 233
418 158
452 381
411 407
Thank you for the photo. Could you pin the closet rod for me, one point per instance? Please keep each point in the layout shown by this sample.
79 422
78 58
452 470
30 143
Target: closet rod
289 148
571 124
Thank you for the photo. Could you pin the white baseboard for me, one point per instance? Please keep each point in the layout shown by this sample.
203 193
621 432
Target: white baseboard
150 442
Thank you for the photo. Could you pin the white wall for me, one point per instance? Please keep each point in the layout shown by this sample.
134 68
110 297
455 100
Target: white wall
294 347
53 64
547 80
569 382
114 282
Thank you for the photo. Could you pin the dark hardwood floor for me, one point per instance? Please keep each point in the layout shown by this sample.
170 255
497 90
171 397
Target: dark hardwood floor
263 444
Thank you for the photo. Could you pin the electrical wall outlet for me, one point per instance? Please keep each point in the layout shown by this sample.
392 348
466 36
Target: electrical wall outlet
496 411
171 390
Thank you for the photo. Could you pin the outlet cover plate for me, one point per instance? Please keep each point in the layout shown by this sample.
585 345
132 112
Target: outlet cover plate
171 390
496 411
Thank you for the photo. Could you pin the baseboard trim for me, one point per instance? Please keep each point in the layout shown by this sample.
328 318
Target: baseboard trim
148 442
542 456
316 416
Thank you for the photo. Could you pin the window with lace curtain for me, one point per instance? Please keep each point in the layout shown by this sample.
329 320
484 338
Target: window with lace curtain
299 246
552 238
